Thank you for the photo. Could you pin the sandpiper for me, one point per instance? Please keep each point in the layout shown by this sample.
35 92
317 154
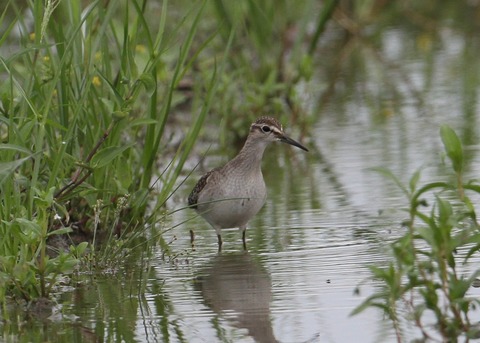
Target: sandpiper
229 196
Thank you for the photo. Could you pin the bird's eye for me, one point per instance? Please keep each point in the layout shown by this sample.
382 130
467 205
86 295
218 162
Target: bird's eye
266 128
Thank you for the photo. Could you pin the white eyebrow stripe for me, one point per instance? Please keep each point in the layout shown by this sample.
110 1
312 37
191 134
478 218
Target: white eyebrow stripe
276 130
273 128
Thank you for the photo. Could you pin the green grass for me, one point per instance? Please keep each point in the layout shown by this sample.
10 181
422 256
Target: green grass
84 108
86 98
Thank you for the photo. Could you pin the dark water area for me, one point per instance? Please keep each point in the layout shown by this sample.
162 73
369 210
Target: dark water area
328 214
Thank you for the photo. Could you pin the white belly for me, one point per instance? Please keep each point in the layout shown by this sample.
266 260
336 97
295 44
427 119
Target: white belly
234 206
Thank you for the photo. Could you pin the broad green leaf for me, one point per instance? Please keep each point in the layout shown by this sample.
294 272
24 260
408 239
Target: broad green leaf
427 234
453 147
107 155
458 288
149 82
80 249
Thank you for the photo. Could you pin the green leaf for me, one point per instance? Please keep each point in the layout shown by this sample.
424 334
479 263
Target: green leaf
445 211
430 297
306 67
61 231
472 187
142 122
369 302
474 239
123 175
458 287
80 249
15 148
427 234
44 198
107 155
149 82
414 180
28 231
428 187
453 147
7 168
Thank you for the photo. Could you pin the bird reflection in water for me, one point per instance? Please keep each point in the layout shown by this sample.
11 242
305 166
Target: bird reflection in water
236 284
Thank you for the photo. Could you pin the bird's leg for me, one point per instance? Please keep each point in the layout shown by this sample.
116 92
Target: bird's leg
219 242
243 239
192 239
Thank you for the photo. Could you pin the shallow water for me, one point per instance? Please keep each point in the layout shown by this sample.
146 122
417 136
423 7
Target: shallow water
328 216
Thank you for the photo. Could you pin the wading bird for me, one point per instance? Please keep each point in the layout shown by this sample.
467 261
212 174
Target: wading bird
229 196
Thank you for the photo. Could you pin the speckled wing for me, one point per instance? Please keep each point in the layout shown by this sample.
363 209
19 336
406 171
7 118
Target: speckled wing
193 197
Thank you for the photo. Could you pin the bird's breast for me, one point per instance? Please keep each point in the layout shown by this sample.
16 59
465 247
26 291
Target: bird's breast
232 201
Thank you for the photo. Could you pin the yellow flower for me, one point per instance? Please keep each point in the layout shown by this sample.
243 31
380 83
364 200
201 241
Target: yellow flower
96 81
140 48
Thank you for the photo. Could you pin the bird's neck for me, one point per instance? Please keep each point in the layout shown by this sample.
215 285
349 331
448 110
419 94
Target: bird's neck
251 154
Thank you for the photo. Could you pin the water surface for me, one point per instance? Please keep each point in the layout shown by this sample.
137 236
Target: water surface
328 216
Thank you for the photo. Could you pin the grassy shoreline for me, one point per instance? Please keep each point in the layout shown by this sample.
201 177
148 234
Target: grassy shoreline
86 99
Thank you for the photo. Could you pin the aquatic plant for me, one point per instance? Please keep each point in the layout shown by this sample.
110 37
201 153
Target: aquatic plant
425 277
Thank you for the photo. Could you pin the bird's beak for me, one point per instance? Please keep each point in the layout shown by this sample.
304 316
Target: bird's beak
285 139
